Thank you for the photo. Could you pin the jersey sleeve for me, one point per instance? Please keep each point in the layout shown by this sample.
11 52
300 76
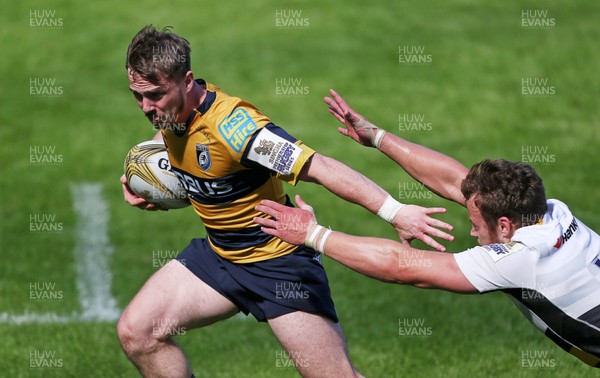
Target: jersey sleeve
497 266
274 149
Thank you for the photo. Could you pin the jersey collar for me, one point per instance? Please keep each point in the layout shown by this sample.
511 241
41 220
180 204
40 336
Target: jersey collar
205 105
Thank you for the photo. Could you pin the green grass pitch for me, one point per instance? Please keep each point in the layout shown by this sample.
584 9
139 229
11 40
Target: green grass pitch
514 79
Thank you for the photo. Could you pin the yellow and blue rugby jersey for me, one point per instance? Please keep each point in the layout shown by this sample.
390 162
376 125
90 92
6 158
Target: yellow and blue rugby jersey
229 157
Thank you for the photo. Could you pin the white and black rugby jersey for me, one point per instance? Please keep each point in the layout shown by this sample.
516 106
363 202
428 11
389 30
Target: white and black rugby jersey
552 272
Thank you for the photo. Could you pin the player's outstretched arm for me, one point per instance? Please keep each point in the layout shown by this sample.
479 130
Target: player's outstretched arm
381 259
411 222
438 172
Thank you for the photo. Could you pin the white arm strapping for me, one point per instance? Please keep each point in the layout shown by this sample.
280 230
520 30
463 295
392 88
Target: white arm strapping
389 209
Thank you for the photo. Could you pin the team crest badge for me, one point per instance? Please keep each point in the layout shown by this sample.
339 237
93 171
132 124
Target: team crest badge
203 156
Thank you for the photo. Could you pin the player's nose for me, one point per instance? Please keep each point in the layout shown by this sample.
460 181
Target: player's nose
147 105
473 233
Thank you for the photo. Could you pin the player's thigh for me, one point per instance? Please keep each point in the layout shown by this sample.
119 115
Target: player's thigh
315 343
174 298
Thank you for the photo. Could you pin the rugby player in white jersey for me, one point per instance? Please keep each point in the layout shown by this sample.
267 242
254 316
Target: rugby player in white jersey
531 248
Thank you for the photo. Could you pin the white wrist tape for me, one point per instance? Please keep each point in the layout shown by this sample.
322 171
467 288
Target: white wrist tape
378 138
374 133
316 237
311 235
389 209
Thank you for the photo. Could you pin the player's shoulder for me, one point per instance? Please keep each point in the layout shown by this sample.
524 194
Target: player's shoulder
225 102
498 251
227 110
494 252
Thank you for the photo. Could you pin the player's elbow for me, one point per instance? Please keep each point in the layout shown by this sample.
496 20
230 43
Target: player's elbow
317 169
379 262
405 276
391 264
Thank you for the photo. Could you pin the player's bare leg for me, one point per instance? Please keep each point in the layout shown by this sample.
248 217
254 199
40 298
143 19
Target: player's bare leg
171 302
315 344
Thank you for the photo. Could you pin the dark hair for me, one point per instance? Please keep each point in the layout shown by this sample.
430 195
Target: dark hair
504 188
157 55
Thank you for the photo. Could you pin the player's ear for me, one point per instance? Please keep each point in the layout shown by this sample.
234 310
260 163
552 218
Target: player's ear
189 81
507 228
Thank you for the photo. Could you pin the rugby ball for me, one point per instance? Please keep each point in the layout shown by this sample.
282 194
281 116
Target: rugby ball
149 175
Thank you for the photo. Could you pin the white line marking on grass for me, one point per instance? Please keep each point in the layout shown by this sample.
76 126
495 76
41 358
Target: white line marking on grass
32 317
92 250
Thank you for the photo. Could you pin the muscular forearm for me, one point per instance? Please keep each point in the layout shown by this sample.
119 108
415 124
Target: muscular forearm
382 259
344 182
376 258
438 172
389 261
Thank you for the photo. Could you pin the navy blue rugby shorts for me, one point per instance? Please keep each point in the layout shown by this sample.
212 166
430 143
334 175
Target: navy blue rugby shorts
266 289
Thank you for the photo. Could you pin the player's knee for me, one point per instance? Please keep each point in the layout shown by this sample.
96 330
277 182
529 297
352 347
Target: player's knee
135 338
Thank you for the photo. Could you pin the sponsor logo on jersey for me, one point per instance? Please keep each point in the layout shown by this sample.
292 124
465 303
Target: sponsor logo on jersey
204 188
237 128
264 147
499 251
562 239
274 152
284 159
203 156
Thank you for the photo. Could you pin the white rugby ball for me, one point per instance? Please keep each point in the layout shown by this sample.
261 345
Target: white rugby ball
149 175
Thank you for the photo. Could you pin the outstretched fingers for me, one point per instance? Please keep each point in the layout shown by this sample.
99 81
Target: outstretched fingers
265 222
432 243
271 208
434 222
334 108
339 101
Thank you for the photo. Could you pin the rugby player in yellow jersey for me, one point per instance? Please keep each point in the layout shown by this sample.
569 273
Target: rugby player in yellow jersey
229 157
